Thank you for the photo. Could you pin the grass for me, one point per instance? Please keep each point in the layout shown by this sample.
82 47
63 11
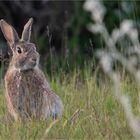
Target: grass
91 112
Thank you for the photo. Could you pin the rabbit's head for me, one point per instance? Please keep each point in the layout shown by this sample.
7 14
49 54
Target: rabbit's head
25 56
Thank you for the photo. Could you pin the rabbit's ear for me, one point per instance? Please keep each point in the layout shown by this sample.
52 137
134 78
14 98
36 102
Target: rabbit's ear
27 31
9 32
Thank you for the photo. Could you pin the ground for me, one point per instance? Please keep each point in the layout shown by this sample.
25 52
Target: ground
91 111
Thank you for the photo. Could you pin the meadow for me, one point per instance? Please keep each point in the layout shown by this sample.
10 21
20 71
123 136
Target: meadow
91 111
71 54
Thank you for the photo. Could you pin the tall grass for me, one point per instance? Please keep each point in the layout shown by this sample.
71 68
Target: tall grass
91 112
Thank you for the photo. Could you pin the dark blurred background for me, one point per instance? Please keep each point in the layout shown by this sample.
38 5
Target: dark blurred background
60 29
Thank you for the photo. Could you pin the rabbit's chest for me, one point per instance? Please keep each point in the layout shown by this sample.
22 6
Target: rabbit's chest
31 84
30 93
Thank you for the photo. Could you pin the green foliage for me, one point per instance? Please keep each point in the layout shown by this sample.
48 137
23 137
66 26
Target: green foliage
70 34
40 45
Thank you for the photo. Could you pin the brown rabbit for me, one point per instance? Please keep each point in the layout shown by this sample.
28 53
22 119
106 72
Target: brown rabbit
28 94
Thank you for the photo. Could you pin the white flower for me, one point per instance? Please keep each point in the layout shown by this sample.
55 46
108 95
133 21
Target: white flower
106 63
96 28
89 5
96 8
133 35
117 34
126 26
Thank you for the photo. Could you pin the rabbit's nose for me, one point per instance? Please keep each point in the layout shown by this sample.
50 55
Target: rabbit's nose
33 59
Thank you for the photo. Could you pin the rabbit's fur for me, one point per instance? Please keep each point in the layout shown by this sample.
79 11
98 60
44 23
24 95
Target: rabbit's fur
28 94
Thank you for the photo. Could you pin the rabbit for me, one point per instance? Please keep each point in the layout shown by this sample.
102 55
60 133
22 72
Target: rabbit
28 94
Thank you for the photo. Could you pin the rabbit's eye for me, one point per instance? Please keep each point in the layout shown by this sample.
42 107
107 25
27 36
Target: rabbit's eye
19 50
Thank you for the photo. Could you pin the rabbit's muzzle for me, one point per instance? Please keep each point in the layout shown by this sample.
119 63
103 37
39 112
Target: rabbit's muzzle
33 61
